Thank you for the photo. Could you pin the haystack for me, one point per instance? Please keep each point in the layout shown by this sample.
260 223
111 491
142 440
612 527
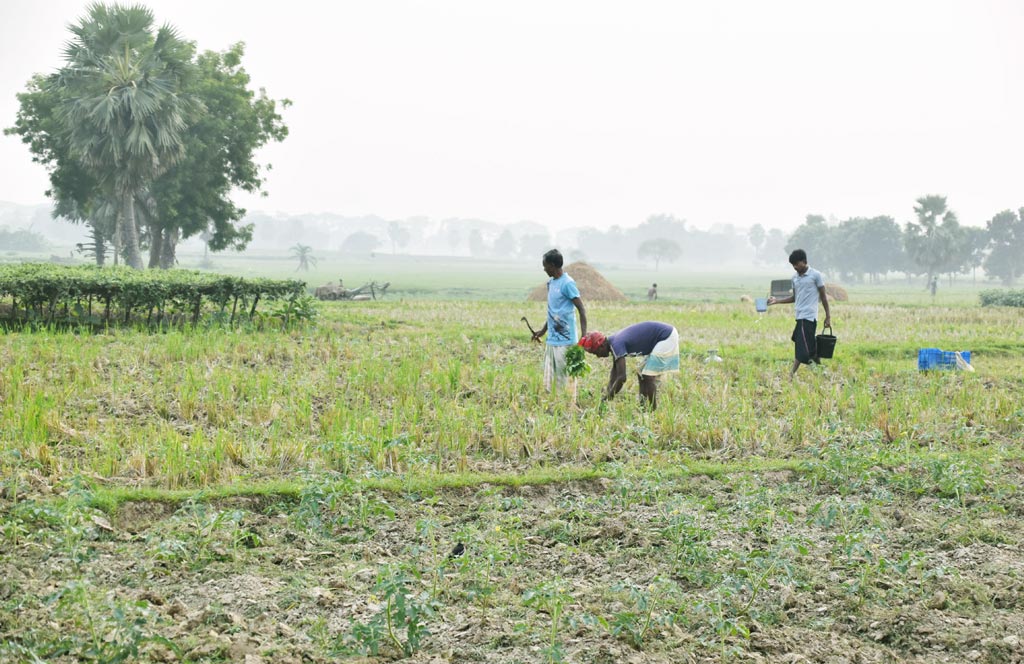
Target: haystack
593 287
836 292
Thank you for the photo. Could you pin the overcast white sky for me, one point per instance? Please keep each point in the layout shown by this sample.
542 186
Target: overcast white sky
600 113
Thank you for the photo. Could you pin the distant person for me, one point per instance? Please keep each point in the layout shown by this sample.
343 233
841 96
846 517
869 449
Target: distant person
808 290
934 285
563 303
657 343
652 292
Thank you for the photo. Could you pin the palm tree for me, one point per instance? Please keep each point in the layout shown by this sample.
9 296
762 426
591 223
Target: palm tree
122 106
929 243
305 255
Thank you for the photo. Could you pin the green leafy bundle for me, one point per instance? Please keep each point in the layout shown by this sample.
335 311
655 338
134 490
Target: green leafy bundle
575 362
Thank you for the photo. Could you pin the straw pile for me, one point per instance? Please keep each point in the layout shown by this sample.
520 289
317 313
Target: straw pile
593 287
836 292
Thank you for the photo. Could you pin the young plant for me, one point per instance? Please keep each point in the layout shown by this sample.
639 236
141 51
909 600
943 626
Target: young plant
644 609
105 630
403 611
550 597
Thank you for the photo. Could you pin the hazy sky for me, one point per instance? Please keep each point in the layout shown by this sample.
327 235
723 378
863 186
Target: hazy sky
600 113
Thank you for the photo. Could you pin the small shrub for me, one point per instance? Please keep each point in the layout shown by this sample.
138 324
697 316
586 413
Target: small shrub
404 610
1002 298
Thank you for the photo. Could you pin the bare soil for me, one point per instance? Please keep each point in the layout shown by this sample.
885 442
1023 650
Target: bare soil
769 567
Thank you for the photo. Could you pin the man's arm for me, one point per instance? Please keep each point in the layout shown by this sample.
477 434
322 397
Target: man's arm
824 302
539 334
784 300
617 378
578 303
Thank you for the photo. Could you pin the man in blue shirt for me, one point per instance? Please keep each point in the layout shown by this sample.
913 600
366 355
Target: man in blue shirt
808 289
658 343
560 326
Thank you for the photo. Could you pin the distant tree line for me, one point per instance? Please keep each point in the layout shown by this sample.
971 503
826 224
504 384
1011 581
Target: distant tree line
660 238
932 245
859 249
144 138
21 240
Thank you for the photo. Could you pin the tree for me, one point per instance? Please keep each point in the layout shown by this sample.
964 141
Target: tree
869 246
219 156
71 185
360 242
931 241
454 237
476 243
1006 239
399 235
815 237
305 255
122 107
506 244
533 245
21 240
611 244
222 124
206 236
757 236
972 250
775 246
661 226
659 249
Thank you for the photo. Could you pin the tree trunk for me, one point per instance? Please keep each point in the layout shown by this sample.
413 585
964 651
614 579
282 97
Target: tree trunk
118 236
156 245
132 252
100 249
168 255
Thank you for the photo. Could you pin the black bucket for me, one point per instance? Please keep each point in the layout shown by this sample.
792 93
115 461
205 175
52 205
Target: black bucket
825 344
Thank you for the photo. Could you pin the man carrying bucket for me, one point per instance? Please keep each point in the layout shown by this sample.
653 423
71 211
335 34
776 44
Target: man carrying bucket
808 289
658 343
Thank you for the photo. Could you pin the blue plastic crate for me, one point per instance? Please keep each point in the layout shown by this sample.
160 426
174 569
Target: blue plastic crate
935 358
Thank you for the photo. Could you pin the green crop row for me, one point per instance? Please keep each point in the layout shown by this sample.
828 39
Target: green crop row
89 294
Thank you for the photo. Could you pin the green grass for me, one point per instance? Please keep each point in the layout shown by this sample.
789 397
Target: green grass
166 492
416 387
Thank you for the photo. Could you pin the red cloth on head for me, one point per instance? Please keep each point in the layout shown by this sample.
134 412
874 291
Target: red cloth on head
592 340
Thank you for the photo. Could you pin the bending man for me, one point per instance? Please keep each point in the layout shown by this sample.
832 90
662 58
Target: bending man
657 342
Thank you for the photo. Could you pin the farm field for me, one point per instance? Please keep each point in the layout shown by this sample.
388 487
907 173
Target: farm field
393 484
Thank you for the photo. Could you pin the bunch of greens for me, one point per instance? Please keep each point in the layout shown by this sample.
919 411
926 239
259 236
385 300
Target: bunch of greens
575 362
